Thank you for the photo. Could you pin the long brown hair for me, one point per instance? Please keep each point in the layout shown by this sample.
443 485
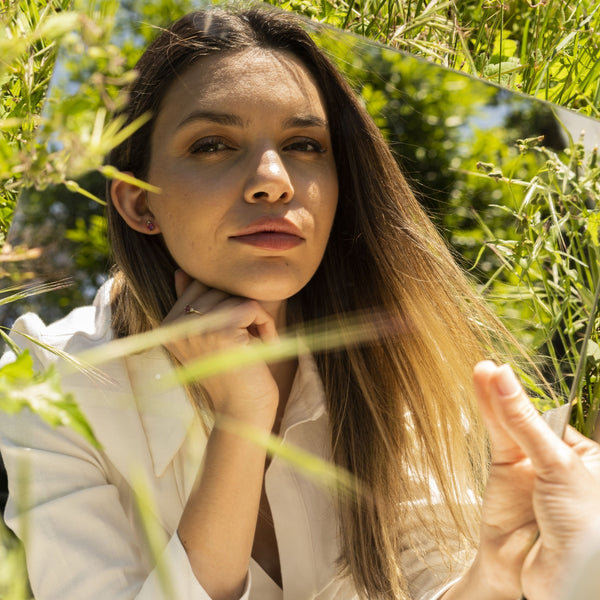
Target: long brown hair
402 411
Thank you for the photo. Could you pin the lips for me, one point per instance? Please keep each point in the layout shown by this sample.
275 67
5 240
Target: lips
270 234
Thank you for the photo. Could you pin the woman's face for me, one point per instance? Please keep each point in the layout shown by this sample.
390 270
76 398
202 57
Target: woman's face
242 153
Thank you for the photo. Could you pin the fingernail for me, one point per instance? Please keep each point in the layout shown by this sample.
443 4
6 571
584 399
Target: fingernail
506 381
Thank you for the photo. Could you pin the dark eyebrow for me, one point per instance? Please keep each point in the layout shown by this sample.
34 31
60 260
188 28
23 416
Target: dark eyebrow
235 121
305 121
219 118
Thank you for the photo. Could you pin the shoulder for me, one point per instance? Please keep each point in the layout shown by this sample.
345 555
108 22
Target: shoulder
82 328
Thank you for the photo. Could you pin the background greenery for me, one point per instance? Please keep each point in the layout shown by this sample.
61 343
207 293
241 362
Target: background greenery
516 200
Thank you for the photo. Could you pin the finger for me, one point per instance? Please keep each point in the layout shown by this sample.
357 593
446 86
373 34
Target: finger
189 295
504 448
250 315
182 281
524 424
265 326
207 301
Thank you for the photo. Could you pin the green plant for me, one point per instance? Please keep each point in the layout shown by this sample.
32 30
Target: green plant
54 139
550 270
31 155
550 50
13 572
28 48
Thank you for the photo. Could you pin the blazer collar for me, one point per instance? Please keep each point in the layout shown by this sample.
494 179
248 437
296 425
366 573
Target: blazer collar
131 415
307 396
139 424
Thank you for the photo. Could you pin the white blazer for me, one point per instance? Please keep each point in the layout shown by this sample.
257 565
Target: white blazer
101 523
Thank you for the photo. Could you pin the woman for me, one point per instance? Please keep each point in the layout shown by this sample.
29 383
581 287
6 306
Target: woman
280 204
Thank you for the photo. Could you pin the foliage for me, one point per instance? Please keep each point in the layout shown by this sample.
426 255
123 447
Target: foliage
53 157
550 269
441 127
13 572
37 150
550 50
21 387
70 137
477 199
28 48
70 233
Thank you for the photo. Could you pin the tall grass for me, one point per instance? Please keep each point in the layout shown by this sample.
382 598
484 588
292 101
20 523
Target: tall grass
28 35
69 137
550 50
550 271
31 32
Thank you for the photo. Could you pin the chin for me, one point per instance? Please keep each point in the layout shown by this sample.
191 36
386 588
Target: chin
266 291
261 296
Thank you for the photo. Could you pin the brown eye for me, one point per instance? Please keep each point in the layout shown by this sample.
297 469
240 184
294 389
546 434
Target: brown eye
305 145
209 145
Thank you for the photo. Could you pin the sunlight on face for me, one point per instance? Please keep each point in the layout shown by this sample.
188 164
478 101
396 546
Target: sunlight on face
242 153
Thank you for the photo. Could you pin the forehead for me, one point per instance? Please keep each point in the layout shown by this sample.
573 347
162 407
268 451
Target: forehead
249 80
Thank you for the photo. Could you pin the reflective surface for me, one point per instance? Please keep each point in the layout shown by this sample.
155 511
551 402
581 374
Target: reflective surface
455 137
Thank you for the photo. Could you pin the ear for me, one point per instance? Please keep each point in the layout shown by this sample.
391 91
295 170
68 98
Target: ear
131 203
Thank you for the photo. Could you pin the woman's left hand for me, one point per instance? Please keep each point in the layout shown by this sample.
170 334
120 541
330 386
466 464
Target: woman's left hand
537 483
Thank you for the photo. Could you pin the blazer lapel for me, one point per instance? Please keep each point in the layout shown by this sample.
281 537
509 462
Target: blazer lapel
139 425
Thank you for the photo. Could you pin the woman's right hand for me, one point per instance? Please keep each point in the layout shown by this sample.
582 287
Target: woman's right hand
541 499
538 483
247 393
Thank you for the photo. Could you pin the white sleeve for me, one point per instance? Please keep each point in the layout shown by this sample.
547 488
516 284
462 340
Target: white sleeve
78 540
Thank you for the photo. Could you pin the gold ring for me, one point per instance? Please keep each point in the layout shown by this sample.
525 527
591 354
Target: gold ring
190 310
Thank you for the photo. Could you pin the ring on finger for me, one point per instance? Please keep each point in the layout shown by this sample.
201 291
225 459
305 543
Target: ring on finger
190 310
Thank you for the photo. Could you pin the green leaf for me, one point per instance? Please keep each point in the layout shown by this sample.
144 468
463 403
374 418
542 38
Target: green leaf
22 387
593 354
593 226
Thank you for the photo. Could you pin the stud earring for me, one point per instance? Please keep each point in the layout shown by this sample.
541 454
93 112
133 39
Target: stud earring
150 225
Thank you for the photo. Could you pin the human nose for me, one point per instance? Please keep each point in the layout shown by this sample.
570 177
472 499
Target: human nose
269 180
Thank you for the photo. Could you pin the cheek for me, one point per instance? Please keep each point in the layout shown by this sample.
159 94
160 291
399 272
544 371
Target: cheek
326 207
191 231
